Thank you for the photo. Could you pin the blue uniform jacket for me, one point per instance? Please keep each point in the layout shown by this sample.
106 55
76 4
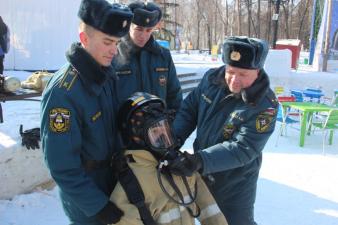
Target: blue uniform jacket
231 133
77 113
148 69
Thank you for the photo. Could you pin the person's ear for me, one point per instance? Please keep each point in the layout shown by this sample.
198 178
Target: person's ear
83 38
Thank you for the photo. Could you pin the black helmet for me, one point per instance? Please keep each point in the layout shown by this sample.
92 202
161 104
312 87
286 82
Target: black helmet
144 123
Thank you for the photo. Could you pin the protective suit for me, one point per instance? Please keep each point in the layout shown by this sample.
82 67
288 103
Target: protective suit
163 210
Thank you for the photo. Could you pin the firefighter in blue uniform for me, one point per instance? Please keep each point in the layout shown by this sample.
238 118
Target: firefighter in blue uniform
234 111
142 64
77 116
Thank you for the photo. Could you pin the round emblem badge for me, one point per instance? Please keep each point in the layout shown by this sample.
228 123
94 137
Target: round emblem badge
235 56
228 130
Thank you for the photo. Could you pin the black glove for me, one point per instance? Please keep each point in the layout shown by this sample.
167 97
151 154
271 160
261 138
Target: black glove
171 114
109 214
30 138
186 164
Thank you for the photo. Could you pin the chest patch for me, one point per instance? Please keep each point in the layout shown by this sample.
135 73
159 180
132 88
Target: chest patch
162 80
123 72
161 69
59 120
263 122
228 130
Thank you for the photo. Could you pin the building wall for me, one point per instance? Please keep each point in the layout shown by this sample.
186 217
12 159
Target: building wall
41 32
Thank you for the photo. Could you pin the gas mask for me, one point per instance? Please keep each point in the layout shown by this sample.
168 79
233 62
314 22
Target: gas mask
151 128
145 123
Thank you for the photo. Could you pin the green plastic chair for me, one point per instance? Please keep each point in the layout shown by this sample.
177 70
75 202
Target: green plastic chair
328 124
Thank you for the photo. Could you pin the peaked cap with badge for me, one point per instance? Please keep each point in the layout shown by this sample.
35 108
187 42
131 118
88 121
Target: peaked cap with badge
245 52
145 14
112 19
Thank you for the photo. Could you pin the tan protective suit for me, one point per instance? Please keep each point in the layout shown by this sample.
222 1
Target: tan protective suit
163 210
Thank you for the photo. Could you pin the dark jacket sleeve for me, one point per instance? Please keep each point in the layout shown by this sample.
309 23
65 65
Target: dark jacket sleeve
186 119
174 91
62 155
5 39
244 146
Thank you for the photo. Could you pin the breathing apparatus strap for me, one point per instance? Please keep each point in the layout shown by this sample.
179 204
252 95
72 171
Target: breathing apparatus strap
181 201
133 190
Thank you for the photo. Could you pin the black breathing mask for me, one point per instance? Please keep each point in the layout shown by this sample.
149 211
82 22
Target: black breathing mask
151 127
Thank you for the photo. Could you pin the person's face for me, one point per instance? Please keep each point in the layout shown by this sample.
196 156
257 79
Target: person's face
238 78
140 35
102 47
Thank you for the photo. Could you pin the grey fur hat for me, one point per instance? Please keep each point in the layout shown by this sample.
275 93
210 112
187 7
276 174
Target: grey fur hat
112 19
245 52
145 14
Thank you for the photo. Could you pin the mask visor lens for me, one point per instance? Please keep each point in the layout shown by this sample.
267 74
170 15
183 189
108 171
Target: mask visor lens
159 135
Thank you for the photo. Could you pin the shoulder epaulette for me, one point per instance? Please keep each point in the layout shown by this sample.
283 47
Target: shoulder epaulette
272 98
69 78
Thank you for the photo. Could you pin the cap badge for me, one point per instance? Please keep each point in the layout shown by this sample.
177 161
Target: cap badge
235 56
147 20
124 24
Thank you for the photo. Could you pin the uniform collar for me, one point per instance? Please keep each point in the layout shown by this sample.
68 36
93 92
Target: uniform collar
91 73
152 46
128 46
257 91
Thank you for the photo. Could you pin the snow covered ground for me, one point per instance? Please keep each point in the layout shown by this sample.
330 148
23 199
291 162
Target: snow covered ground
297 185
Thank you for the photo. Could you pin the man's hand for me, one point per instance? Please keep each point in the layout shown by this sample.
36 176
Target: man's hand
30 138
186 164
109 214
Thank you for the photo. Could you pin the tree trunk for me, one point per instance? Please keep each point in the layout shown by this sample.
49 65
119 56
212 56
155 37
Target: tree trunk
258 18
239 18
286 19
303 17
198 24
248 6
227 18
215 22
209 37
269 17
198 33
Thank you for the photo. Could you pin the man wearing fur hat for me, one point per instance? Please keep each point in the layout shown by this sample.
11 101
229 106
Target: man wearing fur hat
78 130
142 64
234 111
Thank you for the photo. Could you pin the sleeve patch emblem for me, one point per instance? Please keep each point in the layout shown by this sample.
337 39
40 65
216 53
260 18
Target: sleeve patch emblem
263 122
59 120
